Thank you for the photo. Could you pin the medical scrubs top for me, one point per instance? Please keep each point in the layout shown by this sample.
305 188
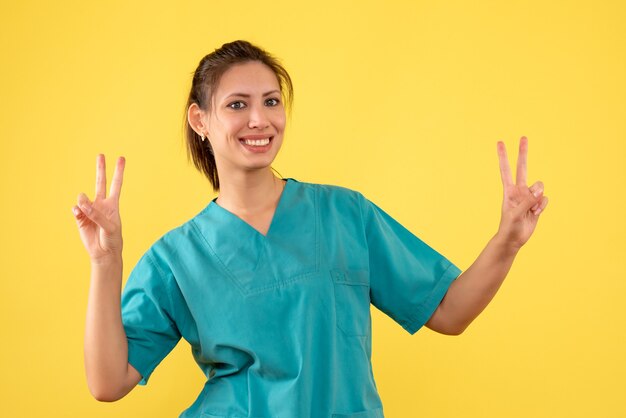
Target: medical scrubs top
280 324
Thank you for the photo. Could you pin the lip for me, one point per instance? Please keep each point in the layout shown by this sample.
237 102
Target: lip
257 149
257 136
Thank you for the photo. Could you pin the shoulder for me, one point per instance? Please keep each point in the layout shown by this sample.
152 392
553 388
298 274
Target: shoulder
349 204
337 206
330 193
172 245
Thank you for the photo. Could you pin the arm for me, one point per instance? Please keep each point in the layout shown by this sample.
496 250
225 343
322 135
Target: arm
472 291
109 376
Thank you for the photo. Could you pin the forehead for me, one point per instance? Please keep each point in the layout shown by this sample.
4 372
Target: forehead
250 77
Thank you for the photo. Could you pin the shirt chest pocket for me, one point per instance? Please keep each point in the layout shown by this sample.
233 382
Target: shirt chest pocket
352 301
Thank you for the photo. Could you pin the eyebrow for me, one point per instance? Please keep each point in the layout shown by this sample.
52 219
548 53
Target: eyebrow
247 95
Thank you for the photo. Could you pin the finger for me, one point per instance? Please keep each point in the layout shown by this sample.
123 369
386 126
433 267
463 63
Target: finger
528 203
78 214
522 158
93 213
542 206
80 218
537 188
84 204
101 177
118 177
505 170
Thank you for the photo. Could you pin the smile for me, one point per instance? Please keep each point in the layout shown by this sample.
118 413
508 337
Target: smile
256 142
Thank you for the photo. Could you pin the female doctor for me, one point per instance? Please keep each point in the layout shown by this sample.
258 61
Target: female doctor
271 283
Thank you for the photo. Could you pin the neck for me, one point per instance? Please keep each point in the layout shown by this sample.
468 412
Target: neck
250 192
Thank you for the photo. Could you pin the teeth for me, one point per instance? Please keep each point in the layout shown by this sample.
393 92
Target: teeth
257 142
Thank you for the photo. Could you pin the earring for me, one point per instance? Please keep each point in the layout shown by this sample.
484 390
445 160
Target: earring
202 136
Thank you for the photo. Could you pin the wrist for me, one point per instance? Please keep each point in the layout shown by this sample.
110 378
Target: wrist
107 273
107 261
505 245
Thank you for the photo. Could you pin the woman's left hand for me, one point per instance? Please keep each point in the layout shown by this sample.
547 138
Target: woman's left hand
521 205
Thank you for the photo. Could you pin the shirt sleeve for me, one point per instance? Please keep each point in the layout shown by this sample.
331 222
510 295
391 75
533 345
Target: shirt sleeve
408 279
147 315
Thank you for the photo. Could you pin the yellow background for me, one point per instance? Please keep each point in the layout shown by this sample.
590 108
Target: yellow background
403 101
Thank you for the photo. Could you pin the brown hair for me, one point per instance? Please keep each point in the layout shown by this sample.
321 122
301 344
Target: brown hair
205 81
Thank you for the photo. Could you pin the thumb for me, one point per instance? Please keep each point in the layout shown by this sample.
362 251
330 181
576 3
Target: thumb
91 212
529 201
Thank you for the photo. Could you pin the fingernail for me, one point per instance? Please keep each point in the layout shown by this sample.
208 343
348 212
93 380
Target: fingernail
75 211
535 207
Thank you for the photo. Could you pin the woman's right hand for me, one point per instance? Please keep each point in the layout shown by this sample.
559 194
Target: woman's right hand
99 222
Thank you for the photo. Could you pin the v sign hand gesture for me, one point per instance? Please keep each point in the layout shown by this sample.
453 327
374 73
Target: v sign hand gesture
472 291
109 375
99 221
521 205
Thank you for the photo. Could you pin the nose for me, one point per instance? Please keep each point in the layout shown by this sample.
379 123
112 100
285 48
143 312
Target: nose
258 118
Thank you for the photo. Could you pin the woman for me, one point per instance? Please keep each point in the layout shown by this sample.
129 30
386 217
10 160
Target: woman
271 282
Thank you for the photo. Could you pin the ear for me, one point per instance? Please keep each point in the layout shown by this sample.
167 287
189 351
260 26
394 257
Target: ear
196 117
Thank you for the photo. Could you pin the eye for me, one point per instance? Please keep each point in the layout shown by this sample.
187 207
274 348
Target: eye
272 102
237 105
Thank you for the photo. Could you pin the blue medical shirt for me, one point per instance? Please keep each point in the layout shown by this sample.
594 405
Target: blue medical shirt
280 324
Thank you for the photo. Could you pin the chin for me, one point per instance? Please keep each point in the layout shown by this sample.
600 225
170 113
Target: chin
258 165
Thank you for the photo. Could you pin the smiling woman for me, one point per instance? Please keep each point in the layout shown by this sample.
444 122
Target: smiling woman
271 283
245 122
235 82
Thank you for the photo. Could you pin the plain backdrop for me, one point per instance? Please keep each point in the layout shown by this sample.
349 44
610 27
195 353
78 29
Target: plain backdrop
403 101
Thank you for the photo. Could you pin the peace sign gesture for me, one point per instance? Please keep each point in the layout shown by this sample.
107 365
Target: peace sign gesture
99 221
521 205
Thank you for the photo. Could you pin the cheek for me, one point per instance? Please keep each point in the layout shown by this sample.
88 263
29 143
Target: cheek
279 122
228 125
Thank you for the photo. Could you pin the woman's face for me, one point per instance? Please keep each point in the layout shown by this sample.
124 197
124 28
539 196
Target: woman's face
247 118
